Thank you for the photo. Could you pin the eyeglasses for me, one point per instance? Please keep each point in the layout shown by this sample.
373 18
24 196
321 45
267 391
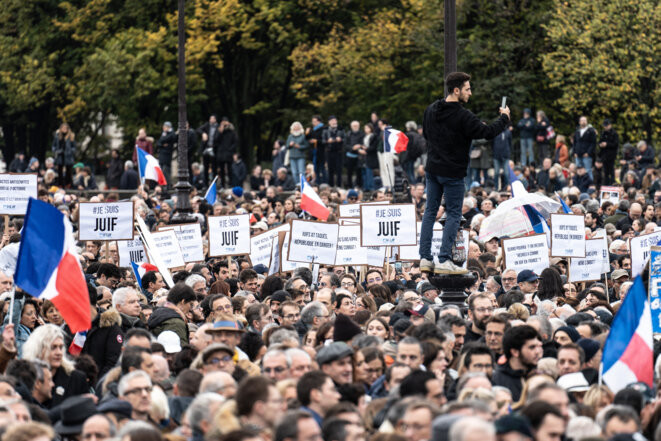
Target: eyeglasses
138 390
217 360
347 284
277 369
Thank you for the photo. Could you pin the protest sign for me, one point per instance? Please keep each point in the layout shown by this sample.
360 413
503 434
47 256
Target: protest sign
167 246
639 250
150 247
567 235
610 194
527 252
387 225
286 264
312 242
131 250
229 235
15 191
105 221
655 288
353 210
190 240
588 268
349 251
261 246
348 221
412 252
376 256
601 234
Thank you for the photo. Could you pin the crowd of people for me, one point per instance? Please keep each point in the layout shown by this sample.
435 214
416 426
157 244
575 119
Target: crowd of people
235 352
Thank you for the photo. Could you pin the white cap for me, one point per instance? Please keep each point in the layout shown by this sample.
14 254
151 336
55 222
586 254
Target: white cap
170 341
574 382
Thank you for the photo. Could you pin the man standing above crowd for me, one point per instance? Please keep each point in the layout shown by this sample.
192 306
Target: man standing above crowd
585 142
609 142
449 129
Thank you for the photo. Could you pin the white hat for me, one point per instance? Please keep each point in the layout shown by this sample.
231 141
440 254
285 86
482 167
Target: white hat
574 382
170 341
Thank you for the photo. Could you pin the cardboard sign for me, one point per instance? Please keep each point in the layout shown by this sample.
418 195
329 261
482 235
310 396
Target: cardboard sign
286 264
348 221
567 235
601 234
412 252
190 240
387 225
588 268
229 235
610 194
167 246
105 221
131 251
376 256
15 191
312 242
655 288
639 250
527 252
349 251
261 245
150 246
353 210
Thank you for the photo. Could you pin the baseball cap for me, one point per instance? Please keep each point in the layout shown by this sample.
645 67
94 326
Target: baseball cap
526 276
170 341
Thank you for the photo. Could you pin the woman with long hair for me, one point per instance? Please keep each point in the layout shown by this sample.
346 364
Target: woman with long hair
550 284
64 153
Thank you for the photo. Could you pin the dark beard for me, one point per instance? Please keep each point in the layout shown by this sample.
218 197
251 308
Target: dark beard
481 325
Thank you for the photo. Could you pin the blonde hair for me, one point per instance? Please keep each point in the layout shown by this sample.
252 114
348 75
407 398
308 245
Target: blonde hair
38 345
519 311
595 394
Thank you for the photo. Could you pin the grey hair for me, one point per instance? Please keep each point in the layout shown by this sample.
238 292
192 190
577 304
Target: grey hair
411 126
124 381
582 427
312 310
119 296
282 335
467 376
623 413
277 353
294 352
128 164
132 426
193 279
201 409
40 366
216 382
462 427
545 326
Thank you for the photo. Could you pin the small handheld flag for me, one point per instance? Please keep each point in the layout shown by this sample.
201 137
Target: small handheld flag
565 208
149 168
212 192
311 202
394 140
141 269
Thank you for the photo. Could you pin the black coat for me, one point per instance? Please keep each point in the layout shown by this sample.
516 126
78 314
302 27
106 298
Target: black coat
114 175
129 180
165 146
67 385
372 157
206 128
227 146
586 143
352 139
104 341
512 379
449 130
612 140
239 173
329 139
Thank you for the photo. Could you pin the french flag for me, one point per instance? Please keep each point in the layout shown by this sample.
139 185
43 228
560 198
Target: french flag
78 343
394 140
141 269
565 207
48 265
537 221
311 202
212 192
149 168
628 353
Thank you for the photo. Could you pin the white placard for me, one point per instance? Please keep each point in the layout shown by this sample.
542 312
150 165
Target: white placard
190 240
353 210
229 235
388 225
15 191
348 221
601 234
150 246
349 251
639 250
567 235
167 246
261 246
376 256
286 264
412 252
610 194
105 221
527 252
312 242
589 267
131 251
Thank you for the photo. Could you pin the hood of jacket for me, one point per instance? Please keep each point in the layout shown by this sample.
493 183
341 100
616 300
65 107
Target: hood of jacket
445 110
110 317
160 315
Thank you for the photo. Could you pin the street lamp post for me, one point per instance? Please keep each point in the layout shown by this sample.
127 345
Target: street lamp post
450 29
183 187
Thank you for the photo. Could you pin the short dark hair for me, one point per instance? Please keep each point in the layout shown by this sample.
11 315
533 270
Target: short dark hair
137 332
456 80
250 391
537 411
255 312
24 371
132 358
181 292
307 383
516 337
188 382
149 277
575 347
415 383
108 270
288 425
247 274
335 429
240 435
474 348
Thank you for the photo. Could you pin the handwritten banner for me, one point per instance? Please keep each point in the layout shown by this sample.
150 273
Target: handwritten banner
639 249
261 246
131 250
387 225
190 240
527 252
106 221
15 191
286 264
353 210
349 251
312 242
567 235
588 268
229 235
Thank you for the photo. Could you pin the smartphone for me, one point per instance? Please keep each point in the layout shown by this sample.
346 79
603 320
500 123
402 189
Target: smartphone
398 267
503 103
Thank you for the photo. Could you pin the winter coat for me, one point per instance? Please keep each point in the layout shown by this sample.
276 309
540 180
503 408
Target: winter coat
351 140
18 165
215 139
239 173
541 131
586 143
509 378
287 184
129 322
167 319
372 156
485 160
67 385
104 341
502 145
612 140
527 128
329 139
583 182
165 146
228 145
647 157
449 129
315 139
21 332
64 149
301 151
129 180
115 171
146 144
561 153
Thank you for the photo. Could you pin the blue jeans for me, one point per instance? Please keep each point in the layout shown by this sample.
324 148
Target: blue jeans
297 168
368 179
498 172
408 169
527 150
437 186
585 162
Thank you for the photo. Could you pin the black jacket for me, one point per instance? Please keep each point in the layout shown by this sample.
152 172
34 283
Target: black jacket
612 140
67 385
228 145
104 341
449 129
329 139
206 128
586 143
114 175
372 156
512 379
129 180
165 146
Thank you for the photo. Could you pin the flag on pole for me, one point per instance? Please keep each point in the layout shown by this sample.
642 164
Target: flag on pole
149 168
537 221
394 140
78 343
516 185
48 265
311 202
212 192
565 208
628 352
141 269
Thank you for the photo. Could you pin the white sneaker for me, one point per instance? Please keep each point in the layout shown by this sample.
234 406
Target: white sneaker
448 267
426 266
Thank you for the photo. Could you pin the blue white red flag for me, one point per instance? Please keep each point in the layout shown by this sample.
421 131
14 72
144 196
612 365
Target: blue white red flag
48 265
565 207
141 269
628 353
537 221
311 202
78 343
149 168
394 140
212 192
